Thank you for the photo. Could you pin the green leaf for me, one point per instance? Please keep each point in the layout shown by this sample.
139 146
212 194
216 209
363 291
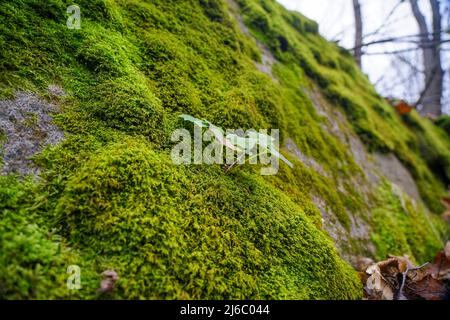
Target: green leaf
242 143
235 142
220 138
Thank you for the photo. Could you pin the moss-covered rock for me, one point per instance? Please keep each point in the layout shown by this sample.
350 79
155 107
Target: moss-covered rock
109 196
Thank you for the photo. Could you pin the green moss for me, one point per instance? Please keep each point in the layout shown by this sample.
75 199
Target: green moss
376 123
116 201
444 123
127 104
403 227
199 243
33 258
2 137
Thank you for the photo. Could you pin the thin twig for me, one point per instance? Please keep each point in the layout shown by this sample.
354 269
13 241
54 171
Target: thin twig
401 296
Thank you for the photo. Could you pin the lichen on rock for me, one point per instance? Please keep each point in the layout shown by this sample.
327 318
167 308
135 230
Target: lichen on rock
27 126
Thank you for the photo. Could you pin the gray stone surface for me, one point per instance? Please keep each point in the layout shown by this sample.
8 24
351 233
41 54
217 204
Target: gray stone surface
375 167
267 58
27 127
396 172
293 149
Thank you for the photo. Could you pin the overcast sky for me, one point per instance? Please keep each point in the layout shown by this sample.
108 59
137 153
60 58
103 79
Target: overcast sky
336 22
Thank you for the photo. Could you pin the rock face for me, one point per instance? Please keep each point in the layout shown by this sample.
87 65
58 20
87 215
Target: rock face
396 172
27 127
111 197
375 167
267 58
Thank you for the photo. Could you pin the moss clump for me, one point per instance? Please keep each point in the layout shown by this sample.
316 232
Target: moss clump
402 227
444 123
431 143
200 243
33 258
128 105
110 190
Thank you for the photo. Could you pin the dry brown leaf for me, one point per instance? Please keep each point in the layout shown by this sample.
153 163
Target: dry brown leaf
428 288
110 278
441 267
398 278
362 263
403 263
377 283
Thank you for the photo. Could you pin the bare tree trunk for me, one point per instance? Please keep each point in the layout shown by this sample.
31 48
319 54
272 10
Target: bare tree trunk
448 15
358 32
431 98
438 84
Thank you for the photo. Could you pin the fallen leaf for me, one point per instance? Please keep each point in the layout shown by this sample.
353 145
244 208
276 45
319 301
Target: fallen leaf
376 282
362 263
110 278
428 288
441 267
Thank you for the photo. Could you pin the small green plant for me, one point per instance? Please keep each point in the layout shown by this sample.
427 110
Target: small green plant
252 143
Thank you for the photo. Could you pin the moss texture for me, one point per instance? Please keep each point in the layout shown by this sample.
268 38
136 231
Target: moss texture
444 123
403 227
109 196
